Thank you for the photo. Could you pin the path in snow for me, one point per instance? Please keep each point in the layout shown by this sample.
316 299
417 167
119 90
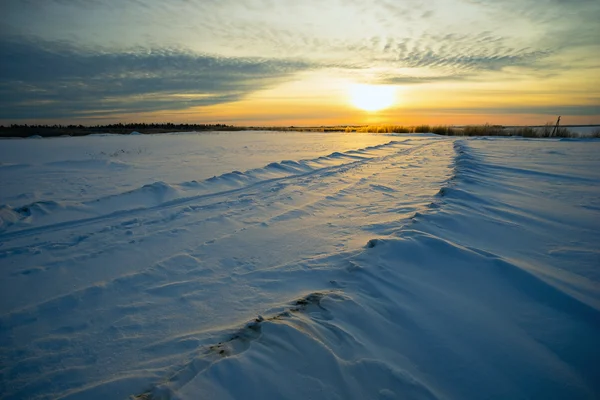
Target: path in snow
79 169
491 294
422 268
124 290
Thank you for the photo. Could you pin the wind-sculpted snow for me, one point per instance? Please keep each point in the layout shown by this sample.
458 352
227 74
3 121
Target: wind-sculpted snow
160 194
107 305
469 301
420 269
81 169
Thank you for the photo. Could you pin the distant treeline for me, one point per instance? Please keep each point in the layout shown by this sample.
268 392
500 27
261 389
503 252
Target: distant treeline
25 130
542 131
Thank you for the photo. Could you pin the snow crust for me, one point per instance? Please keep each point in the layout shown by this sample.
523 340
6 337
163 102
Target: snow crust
417 267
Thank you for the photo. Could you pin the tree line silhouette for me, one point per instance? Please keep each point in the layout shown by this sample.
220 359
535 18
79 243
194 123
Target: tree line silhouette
46 130
547 130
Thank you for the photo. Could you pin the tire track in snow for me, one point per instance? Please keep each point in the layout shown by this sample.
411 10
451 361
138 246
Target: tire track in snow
323 197
163 193
224 209
150 299
329 170
417 290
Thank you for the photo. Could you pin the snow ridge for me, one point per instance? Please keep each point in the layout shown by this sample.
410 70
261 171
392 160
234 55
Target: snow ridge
162 194
434 310
343 277
136 294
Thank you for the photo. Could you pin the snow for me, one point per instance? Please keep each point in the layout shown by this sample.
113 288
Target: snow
294 265
584 130
117 163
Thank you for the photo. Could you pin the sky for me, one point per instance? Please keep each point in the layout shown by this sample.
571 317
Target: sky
291 62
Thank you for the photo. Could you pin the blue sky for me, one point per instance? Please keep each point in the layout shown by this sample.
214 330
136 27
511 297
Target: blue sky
288 61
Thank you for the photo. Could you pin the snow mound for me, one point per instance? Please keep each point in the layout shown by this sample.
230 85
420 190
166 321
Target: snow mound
8 216
159 194
423 269
486 310
28 214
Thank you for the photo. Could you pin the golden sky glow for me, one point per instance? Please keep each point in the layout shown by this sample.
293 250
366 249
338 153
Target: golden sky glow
253 62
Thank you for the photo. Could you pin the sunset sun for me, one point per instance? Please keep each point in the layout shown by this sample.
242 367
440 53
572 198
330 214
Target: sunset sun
372 97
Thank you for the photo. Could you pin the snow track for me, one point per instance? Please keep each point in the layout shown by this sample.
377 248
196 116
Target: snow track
429 312
424 268
128 284
161 195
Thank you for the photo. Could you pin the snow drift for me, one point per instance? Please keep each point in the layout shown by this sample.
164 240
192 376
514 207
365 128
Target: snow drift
432 268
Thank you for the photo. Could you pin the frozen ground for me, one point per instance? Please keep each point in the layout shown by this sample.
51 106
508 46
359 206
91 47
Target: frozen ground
87 168
364 266
584 130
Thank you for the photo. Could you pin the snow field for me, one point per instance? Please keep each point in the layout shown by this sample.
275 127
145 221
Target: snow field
405 267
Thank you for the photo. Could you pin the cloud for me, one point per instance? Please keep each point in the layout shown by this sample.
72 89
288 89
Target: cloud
564 23
450 57
482 52
51 79
579 110
40 79
150 55
390 79
566 109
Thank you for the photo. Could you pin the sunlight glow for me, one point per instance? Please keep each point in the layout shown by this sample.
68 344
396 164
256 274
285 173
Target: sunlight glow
372 97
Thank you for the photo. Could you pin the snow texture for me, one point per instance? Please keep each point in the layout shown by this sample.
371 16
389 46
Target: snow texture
363 267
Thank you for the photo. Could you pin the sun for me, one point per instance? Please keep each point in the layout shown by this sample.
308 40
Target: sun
372 97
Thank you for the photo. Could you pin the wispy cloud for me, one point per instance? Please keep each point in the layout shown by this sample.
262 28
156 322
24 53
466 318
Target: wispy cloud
100 56
460 53
562 109
46 79
559 23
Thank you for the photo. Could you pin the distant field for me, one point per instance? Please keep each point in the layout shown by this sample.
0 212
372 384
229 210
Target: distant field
459 130
295 265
